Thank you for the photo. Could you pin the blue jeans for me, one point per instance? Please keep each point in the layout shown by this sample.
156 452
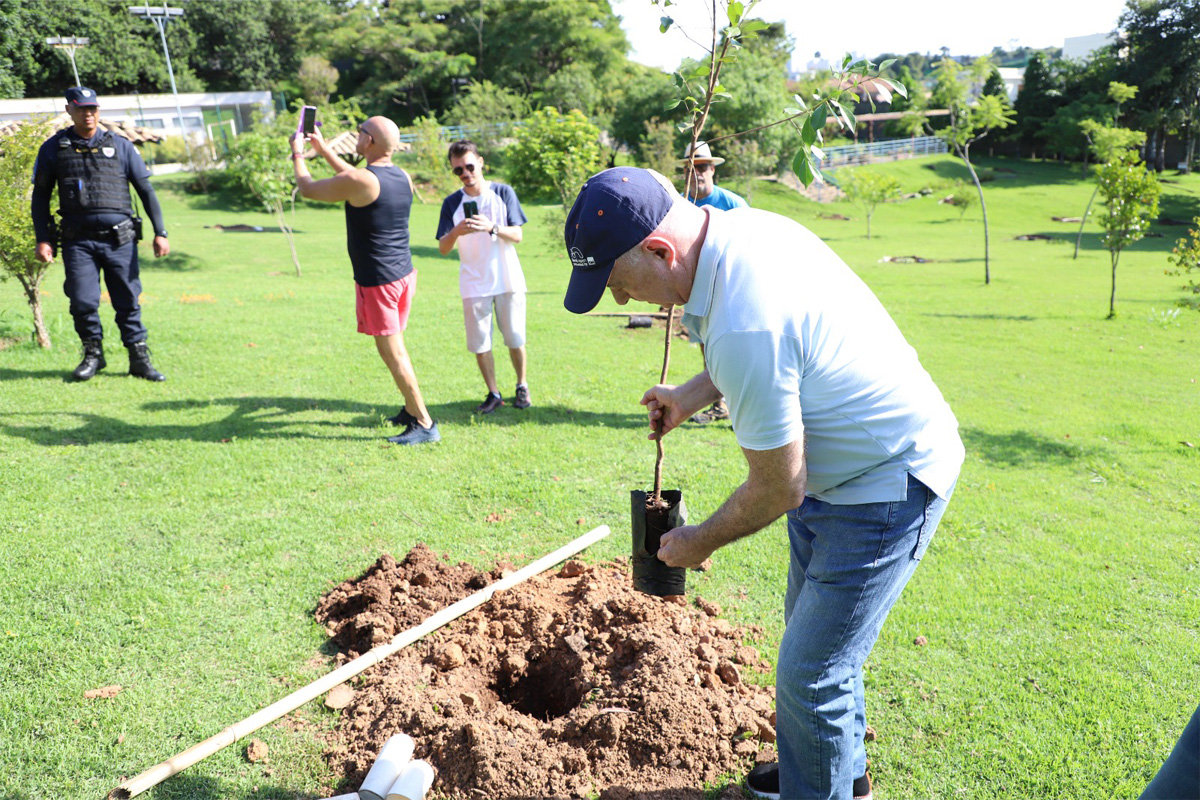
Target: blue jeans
849 564
1179 776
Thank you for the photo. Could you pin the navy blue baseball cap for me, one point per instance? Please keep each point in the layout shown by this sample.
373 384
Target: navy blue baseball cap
82 96
615 210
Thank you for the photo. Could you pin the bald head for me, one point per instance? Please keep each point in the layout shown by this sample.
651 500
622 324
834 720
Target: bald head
384 133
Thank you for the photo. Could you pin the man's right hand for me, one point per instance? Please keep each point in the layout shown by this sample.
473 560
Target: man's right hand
44 252
666 409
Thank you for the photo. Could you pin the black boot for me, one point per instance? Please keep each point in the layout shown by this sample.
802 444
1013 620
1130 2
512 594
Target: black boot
93 360
139 363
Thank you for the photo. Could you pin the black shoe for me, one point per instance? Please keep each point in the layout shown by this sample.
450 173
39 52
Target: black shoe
403 419
93 360
716 411
415 434
522 398
490 403
139 363
763 781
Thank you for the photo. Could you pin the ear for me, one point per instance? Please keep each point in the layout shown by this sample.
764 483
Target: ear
661 247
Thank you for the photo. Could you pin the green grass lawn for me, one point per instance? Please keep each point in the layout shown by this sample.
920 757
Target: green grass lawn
174 538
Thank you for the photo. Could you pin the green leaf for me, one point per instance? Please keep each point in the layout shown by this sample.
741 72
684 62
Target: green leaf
886 64
819 115
733 32
754 26
664 24
799 101
672 104
684 126
734 12
818 153
721 96
807 133
803 169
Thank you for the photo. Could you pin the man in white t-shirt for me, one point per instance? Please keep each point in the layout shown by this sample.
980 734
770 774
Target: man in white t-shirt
484 219
842 429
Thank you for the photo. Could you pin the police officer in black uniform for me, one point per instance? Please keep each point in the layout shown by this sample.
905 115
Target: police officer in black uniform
92 169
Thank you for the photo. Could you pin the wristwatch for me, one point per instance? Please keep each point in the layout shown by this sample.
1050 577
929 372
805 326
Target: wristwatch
492 232
161 233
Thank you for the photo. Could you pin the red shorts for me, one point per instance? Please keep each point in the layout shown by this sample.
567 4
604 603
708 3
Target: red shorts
383 310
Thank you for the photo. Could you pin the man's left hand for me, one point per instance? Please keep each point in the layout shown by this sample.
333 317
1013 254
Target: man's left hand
161 246
297 143
683 547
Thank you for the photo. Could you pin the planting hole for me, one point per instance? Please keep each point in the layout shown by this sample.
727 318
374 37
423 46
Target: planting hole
545 691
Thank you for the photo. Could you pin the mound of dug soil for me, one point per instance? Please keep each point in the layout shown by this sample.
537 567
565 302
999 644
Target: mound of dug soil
569 685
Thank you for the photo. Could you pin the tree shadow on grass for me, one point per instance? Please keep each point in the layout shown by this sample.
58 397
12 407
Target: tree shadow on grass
175 261
997 317
7 374
186 786
1021 448
272 418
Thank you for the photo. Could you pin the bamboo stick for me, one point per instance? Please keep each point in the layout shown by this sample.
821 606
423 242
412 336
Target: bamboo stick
650 314
197 752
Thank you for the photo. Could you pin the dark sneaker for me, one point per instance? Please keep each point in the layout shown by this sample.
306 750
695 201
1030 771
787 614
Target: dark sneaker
763 781
522 398
863 790
716 411
489 404
403 419
415 434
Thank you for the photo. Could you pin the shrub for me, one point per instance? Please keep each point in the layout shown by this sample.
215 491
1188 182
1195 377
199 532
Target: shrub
554 154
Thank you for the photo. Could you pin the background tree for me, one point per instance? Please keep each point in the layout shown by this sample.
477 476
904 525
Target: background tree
867 189
317 79
658 150
554 154
18 151
1035 105
1130 193
968 123
573 86
428 156
645 92
1162 58
1106 142
243 45
257 163
485 105
1186 258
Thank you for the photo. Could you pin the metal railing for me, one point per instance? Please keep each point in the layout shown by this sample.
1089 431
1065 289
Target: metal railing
451 133
844 155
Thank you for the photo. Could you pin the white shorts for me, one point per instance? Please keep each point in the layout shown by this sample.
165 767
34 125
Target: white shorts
510 316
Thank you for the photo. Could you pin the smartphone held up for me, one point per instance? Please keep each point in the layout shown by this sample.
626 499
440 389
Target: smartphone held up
308 122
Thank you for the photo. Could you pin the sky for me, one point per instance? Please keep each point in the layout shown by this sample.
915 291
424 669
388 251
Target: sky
872 27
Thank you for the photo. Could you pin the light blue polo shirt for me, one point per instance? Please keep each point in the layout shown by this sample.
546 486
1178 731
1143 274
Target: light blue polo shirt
722 199
800 346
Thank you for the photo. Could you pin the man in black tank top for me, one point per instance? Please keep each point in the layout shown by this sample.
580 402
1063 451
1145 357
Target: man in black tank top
378 198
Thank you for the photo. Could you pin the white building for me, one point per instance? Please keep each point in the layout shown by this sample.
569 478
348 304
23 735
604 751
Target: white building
1082 47
1014 79
203 112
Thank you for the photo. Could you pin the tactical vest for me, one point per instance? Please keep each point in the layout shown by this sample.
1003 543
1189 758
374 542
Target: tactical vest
91 179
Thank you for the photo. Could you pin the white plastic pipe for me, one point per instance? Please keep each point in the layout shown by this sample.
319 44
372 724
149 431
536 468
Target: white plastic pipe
392 760
414 782
197 752
351 796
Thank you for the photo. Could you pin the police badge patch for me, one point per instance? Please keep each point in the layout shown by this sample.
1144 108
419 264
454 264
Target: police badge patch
108 152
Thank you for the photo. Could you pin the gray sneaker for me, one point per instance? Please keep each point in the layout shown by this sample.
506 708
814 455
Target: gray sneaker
522 398
415 434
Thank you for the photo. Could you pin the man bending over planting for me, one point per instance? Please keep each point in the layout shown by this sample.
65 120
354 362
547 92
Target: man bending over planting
378 198
842 429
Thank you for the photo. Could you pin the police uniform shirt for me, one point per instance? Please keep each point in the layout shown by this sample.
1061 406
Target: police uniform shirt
105 145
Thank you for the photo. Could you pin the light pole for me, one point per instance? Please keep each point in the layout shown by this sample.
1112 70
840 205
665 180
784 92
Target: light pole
70 44
159 16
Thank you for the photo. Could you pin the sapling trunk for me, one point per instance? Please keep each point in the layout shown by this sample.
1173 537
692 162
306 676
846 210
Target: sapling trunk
658 460
1082 222
1112 297
987 269
33 295
281 218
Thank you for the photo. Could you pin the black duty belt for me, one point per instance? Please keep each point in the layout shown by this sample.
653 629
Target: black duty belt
119 234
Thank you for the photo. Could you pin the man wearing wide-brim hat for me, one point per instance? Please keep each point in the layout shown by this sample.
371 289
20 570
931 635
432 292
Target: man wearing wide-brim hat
706 192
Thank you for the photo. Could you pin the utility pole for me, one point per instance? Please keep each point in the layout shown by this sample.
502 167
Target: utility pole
159 15
70 44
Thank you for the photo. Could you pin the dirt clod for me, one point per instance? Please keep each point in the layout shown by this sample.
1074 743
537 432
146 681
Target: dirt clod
920 641
256 751
339 697
105 692
571 685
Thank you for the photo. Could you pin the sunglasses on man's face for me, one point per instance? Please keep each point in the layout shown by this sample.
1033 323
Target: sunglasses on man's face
366 133
468 167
